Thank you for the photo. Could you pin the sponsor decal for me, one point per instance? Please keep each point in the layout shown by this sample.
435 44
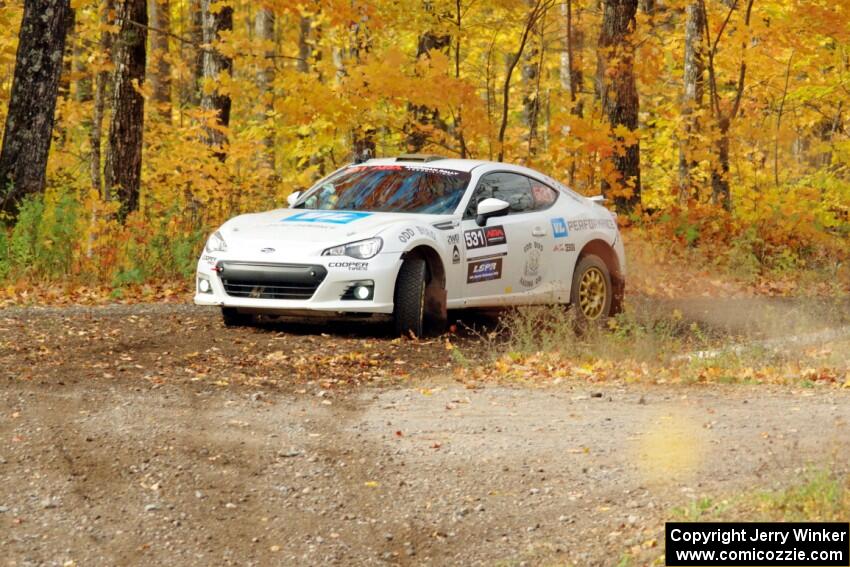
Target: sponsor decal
453 238
483 237
531 274
330 217
447 172
564 247
456 255
406 235
495 235
591 224
484 270
559 227
375 168
267 250
488 256
350 266
209 259
425 231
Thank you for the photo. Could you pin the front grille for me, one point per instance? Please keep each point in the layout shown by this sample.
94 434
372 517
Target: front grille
271 281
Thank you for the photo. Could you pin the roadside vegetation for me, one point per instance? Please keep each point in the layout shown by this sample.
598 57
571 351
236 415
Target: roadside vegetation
745 341
819 496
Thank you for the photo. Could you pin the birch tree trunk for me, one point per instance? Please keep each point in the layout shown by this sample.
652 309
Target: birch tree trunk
692 98
123 171
32 106
101 82
618 92
572 78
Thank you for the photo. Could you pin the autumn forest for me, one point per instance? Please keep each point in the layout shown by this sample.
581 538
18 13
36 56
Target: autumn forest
134 126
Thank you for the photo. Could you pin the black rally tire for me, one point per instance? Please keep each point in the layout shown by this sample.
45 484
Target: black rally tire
587 264
233 318
409 299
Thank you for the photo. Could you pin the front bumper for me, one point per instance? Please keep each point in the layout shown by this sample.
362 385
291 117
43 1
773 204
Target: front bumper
316 284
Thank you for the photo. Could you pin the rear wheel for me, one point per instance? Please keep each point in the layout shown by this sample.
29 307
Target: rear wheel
233 318
409 300
592 292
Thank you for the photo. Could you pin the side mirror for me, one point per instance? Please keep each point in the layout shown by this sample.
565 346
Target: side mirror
490 208
293 198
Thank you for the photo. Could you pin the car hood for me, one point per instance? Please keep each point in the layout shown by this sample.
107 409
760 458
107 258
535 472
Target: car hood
310 230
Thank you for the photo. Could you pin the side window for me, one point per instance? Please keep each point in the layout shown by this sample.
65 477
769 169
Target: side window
544 196
510 187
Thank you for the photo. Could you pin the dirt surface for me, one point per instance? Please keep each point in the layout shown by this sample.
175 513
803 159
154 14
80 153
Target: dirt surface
152 435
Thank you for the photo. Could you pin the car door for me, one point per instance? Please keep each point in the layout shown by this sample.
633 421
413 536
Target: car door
507 259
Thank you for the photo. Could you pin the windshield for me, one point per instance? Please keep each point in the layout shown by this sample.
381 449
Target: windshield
390 189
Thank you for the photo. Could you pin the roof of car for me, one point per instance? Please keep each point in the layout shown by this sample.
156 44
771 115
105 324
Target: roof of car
467 165
437 162
429 162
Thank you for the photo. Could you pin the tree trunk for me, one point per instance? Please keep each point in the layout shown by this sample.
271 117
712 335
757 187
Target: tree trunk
421 118
720 192
160 71
32 106
101 81
693 76
190 88
83 85
531 84
123 171
305 44
264 22
530 74
572 78
618 91
720 189
215 65
363 144
537 11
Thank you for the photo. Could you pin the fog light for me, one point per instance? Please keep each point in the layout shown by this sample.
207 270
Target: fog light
362 292
204 286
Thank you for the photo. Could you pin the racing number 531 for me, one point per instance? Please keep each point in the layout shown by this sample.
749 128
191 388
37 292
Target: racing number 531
475 238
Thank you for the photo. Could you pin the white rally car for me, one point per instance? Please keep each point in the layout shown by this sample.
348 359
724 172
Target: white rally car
413 236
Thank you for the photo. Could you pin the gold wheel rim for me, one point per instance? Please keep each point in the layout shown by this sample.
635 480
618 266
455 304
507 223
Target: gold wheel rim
592 292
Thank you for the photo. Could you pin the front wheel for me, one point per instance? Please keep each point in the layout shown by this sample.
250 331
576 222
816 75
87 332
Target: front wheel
592 292
233 318
409 308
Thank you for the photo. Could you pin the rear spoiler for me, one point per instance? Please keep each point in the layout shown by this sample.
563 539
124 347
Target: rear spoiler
601 200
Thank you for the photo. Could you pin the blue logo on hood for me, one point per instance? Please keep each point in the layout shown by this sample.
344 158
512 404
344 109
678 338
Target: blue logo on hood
331 217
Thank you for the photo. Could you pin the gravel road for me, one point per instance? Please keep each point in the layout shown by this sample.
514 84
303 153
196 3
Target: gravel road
120 449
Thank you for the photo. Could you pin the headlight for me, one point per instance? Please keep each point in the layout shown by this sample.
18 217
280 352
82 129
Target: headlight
216 243
362 249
